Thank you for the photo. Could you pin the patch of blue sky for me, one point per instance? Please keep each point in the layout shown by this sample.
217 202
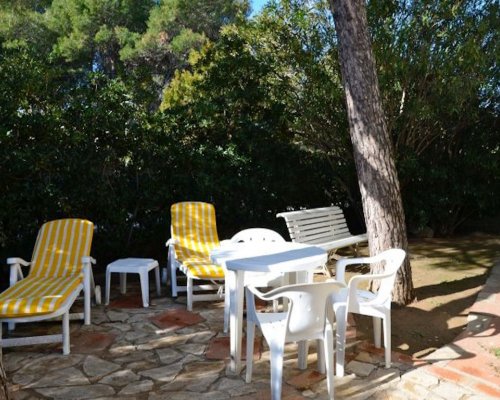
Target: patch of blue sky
257 6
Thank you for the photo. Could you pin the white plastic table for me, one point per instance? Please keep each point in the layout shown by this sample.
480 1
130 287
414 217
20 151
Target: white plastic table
140 266
238 258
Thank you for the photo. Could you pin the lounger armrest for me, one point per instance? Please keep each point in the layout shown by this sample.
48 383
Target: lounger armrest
16 272
88 260
171 242
18 260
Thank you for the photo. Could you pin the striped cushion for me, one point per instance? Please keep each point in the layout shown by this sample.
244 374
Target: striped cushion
194 231
56 269
202 268
36 295
60 246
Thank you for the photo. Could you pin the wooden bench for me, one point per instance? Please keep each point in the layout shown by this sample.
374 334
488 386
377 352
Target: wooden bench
324 227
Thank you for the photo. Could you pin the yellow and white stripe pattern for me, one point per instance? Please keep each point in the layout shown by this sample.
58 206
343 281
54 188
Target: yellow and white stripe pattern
194 231
56 269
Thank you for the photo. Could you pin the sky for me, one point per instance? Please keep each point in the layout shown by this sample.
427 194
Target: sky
257 5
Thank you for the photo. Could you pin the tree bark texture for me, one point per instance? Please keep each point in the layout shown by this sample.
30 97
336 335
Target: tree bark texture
4 390
372 147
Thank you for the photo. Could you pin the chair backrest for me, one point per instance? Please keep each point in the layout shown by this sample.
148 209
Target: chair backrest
193 229
60 246
257 235
393 259
309 304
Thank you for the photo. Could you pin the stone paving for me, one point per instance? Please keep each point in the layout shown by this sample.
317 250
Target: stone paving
164 351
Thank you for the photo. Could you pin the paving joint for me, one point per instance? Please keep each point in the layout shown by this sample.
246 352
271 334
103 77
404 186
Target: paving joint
165 351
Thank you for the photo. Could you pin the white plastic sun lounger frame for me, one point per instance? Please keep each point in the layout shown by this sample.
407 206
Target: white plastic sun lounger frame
16 274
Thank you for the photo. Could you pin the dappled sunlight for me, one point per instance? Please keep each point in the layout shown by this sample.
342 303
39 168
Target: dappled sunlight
460 253
428 324
448 274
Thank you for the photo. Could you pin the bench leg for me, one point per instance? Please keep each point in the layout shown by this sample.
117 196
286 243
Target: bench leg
157 277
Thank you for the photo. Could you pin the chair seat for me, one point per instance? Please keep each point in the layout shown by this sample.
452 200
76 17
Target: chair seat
201 268
36 295
367 299
365 295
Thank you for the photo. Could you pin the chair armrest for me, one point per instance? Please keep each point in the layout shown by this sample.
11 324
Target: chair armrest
344 262
275 294
16 272
269 296
356 280
251 292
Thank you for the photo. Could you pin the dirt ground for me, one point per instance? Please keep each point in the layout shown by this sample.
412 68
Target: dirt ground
447 274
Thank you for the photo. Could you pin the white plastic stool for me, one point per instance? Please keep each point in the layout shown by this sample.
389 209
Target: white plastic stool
140 266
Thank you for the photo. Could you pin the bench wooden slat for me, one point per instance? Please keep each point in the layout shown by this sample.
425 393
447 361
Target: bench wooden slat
325 227
322 230
327 236
312 222
312 211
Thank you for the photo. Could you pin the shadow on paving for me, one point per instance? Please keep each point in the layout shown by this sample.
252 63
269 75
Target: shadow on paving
130 352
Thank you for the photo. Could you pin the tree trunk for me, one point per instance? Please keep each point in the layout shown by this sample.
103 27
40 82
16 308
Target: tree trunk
4 390
372 146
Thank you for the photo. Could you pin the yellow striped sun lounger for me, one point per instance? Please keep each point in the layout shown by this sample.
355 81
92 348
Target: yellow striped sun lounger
193 237
59 270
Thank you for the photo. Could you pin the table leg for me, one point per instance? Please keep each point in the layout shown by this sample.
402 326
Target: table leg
236 288
144 277
303 346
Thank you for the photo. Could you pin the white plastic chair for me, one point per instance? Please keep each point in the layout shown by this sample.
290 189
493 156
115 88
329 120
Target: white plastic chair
308 317
376 305
260 279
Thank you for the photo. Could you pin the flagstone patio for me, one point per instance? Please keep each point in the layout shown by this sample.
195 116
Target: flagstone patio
164 351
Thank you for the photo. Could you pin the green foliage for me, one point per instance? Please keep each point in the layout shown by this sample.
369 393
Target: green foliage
439 79
77 138
269 88
174 28
253 116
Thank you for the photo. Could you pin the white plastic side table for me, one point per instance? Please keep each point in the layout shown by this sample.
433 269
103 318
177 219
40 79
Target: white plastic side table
140 266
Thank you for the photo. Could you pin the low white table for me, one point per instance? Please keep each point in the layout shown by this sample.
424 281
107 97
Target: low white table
140 266
238 258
